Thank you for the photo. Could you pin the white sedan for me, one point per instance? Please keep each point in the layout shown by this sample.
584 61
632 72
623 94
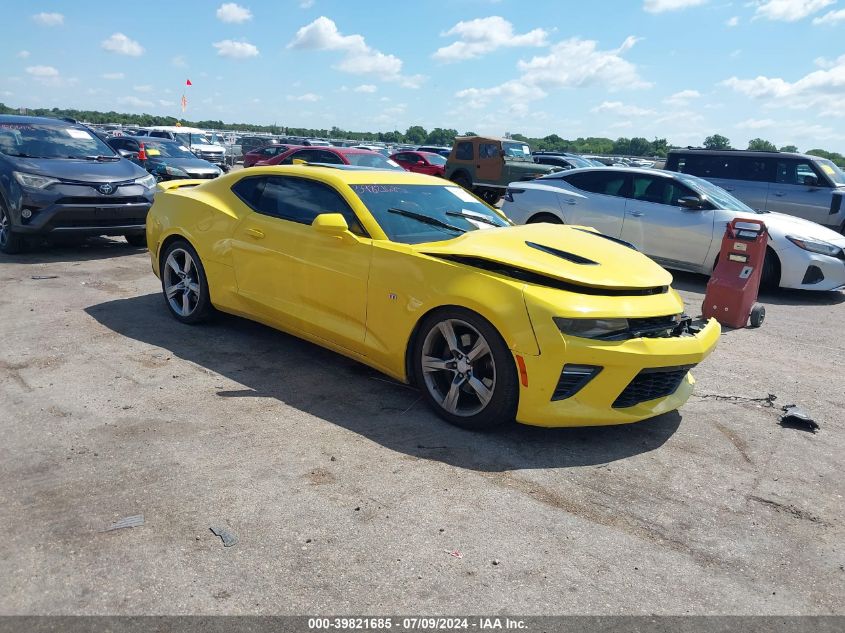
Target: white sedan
678 220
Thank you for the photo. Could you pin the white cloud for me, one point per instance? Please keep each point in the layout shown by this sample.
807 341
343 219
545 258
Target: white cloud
22 55
366 88
754 124
179 61
166 104
143 88
135 102
306 4
661 6
49 19
233 13
831 18
122 45
572 63
484 35
112 76
44 72
235 50
682 98
359 59
308 97
732 22
789 10
621 109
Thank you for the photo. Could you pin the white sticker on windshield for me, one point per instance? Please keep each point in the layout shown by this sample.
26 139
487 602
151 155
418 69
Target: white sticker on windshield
479 225
394 163
461 194
74 133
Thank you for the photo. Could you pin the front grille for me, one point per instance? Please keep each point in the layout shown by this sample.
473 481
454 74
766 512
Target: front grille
102 201
70 223
649 384
204 175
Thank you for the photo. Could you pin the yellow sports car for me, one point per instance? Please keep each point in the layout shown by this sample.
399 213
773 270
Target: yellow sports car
546 324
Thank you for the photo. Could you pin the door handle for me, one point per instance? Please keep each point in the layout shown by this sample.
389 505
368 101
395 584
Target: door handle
255 233
779 194
636 214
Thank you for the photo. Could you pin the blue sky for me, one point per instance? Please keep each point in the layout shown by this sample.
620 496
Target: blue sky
680 69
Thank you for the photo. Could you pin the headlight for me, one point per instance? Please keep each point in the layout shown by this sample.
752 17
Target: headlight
816 246
147 181
33 181
175 171
591 328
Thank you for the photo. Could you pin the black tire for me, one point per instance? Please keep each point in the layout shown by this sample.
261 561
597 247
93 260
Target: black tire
548 218
486 385
10 243
197 307
462 180
490 196
770 279
758 315
138 240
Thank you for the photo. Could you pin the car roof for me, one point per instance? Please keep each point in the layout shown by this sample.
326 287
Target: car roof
741 152
624 170
486 138
39 120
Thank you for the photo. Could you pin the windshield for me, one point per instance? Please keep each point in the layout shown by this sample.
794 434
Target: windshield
372 160
39 140
435 159
832 170
720 198
166 149
516 150
446 205
192 139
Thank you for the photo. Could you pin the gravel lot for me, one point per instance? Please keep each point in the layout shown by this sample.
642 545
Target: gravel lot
348 495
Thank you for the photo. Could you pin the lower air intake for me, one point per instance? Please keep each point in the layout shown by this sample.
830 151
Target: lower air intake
652 383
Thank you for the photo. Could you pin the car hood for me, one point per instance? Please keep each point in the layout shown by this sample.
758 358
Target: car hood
78 169
780 224
570 254
188 164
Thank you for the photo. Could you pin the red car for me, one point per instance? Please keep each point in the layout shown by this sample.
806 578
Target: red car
332 156
422 162
264 153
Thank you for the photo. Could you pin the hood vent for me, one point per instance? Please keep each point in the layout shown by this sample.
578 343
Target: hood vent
570 257
608 237
538 279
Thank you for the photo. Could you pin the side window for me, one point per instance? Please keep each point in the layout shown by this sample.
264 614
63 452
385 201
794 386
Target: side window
708 166
606 183
658 190
301 200
797 172
755 169
159 134
330 158
464 151
488 150
305 154
249 190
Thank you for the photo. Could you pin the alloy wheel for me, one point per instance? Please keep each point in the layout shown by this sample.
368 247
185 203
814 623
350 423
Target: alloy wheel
458 367
181 282
5 231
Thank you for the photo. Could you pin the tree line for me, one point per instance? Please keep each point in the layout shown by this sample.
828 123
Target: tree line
418 135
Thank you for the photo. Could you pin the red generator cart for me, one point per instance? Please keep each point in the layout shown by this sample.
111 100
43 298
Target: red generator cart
732 290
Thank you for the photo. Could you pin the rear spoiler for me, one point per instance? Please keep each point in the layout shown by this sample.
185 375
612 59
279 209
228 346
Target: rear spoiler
167 185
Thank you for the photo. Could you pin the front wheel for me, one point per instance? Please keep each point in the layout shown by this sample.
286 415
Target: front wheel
465 370
490 196
10 243
462 180
547 218
184 283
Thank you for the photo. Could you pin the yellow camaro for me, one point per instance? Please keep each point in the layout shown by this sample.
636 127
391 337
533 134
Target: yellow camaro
546 324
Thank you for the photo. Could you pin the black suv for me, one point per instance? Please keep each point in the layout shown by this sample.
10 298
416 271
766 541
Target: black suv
59 177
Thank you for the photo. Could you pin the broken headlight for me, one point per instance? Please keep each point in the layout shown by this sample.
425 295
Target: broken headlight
591 328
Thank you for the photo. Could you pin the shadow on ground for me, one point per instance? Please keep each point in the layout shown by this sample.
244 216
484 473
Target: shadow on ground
692 282
274 365
69 249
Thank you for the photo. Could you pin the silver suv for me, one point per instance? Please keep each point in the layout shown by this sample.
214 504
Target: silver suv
806 186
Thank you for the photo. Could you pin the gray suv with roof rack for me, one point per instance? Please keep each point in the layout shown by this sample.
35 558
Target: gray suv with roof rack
802 185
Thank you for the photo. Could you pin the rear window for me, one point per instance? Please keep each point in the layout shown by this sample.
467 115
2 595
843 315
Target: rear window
606 183
463 151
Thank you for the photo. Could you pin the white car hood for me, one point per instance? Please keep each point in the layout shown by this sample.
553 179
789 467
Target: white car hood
780 224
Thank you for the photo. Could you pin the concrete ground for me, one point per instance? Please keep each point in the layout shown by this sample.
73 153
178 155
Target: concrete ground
349 496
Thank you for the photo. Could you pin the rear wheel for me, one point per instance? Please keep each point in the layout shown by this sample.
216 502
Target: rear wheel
548 218
184 283
465 370
490 196
10 243
462 180
758 315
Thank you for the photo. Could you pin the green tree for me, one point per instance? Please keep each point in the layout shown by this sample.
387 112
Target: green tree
762 145
621 145
789 148
640 146
470 134
659 147
717 141
416 135
440 136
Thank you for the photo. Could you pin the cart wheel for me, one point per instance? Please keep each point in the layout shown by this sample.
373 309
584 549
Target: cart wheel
758 315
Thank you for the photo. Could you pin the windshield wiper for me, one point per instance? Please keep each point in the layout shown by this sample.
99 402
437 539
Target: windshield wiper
473 216
98 157
426 219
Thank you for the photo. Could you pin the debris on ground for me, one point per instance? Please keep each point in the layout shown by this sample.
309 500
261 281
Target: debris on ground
40 277
495 561
126 522
768 401
226 535
454 553
796 417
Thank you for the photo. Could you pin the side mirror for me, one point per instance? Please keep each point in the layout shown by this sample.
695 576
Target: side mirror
421 163
331 224
693 203
811 181
125 153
